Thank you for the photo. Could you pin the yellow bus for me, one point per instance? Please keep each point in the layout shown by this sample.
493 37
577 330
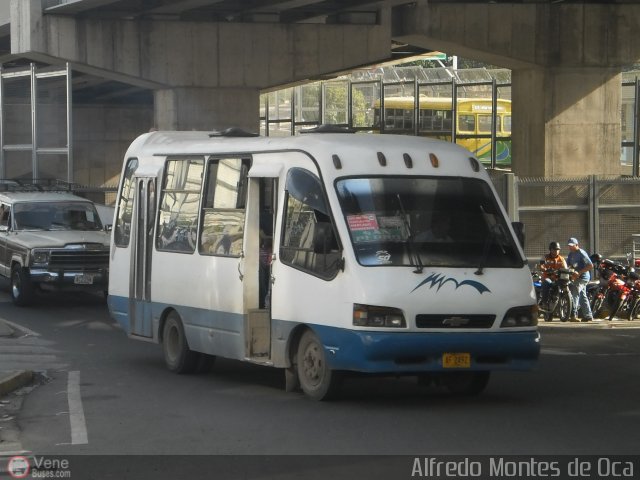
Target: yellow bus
473 123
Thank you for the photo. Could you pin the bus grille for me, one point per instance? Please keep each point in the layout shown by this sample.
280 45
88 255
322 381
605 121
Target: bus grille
79 258
454 321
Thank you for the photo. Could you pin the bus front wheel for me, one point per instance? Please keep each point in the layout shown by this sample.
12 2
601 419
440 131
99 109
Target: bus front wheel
177 355
317 380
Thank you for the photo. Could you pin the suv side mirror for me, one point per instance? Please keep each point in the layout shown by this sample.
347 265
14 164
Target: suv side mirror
108 228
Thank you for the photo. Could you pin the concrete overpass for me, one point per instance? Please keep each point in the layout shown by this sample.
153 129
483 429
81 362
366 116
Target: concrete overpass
206 61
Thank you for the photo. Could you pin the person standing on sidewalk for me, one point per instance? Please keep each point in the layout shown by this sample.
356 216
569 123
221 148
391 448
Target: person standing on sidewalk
579 260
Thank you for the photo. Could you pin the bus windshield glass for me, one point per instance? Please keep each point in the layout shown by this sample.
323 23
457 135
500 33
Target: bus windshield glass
426 221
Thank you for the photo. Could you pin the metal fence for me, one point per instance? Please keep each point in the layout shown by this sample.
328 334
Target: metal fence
603 213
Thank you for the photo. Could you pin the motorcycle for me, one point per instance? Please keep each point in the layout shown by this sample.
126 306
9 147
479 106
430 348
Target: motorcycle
632 309
560 301
619 291
602 295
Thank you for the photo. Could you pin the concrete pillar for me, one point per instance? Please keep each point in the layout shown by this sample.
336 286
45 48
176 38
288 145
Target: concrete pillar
206 108
568 121
31 34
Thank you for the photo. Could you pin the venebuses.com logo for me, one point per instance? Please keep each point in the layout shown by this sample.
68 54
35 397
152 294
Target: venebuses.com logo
20 466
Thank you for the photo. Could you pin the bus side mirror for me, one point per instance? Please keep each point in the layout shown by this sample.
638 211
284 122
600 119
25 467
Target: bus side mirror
518 227
324 239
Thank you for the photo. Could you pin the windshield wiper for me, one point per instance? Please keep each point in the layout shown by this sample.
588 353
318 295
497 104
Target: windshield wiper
494 230
414 256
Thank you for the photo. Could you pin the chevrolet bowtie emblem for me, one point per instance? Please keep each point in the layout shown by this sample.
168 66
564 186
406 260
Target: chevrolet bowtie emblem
455 321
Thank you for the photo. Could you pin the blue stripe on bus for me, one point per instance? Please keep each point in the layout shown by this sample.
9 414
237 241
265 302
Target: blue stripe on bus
369 351
119 310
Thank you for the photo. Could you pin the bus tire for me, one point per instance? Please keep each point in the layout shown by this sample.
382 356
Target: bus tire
177 355
465 383
317 380
21 286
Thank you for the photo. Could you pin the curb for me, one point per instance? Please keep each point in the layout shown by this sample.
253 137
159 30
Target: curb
13 380
594 324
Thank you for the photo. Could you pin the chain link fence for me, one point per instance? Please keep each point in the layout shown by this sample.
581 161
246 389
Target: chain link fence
603 213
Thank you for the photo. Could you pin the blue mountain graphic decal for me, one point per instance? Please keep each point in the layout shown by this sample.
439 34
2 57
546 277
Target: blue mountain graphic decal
437 279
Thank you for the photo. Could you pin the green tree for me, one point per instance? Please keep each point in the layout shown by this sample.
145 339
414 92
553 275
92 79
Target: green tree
337 106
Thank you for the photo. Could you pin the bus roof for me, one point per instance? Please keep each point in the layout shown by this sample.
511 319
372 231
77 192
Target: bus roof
357 153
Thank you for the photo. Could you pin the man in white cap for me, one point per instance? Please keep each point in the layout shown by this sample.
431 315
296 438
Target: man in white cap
579 260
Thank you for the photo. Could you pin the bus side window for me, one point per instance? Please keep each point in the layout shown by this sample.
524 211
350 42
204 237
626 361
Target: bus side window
466 123
223 208
309 242
179 204
122 228
484 124
507 124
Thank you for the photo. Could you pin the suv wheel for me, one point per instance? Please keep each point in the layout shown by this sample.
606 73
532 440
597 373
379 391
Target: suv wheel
21 287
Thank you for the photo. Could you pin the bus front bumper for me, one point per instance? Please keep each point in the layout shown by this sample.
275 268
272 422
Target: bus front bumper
407 352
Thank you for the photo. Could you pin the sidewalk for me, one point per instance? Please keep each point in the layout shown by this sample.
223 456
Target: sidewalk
11 380
596 323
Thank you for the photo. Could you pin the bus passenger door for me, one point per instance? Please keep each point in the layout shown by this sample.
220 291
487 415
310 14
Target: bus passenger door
140 282
258 256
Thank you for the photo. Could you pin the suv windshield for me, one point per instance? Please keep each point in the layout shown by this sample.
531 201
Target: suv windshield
426 221
56 216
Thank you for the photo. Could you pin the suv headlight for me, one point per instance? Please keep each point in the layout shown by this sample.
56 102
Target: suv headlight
40 257
372 316
521 317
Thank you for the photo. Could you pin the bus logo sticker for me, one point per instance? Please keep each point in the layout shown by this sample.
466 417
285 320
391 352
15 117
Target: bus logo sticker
439 280
18 467
383 256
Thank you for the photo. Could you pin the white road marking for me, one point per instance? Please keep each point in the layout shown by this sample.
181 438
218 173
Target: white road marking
21 328
76 412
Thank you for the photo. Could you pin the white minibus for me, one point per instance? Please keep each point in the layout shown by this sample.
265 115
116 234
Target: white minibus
322 254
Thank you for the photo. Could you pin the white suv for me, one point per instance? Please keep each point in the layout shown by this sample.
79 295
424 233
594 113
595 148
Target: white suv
51 241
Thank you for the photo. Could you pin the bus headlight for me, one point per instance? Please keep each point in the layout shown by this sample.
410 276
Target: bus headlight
372 316
521 317
40 257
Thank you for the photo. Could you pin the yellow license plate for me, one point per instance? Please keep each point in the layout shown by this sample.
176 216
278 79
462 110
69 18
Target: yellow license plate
456 360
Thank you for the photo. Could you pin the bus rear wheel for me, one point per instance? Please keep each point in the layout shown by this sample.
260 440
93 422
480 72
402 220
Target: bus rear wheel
177 355
317 380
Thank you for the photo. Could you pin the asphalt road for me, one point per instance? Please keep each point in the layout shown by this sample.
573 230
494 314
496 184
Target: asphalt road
102 393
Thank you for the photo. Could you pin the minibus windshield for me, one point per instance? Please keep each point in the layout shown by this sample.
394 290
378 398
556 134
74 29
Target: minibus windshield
426 221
